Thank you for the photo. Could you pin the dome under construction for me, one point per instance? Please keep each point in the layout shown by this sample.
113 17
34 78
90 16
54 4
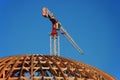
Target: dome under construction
44 67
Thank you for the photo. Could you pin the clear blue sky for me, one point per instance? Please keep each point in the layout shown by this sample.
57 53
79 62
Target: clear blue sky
94 25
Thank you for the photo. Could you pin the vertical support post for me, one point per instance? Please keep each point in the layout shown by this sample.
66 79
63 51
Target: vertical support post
54 45
58 46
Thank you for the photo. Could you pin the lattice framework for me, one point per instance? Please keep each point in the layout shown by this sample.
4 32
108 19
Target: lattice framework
43 67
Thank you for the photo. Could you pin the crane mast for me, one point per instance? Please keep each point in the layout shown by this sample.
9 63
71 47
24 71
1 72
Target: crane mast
54 37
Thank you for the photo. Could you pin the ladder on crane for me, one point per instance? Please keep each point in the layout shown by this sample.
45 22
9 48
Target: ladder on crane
54 37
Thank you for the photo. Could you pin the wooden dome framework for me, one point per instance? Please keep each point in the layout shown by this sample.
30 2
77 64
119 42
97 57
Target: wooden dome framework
44 67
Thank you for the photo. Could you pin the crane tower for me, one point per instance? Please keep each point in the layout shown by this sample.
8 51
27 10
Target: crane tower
54 36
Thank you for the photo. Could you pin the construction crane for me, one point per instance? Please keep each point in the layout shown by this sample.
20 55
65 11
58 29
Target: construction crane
54 37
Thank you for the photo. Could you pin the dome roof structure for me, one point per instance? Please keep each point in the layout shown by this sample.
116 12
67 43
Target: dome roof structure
44 67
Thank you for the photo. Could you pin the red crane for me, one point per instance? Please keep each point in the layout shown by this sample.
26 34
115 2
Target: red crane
54 37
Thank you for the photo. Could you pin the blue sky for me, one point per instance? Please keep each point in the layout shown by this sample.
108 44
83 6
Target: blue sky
94 25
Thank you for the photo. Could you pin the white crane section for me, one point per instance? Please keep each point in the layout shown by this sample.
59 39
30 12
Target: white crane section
54 38
65 33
